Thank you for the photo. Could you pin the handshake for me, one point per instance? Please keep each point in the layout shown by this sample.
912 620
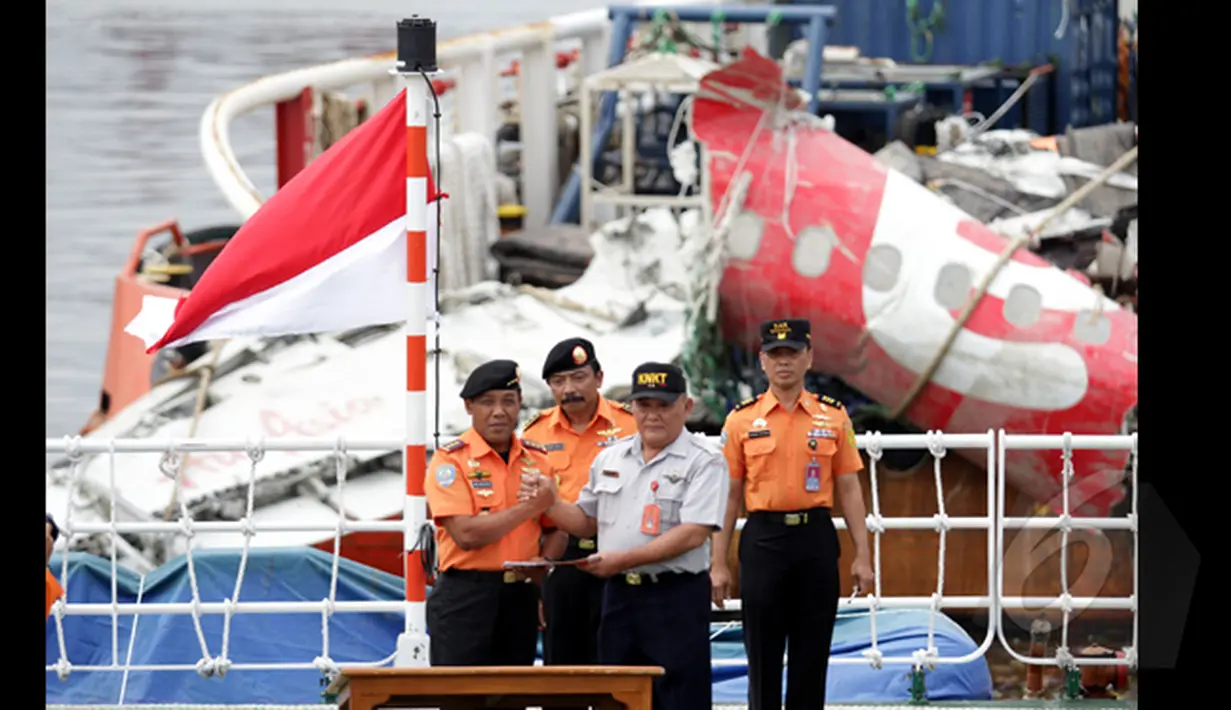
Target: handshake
537 490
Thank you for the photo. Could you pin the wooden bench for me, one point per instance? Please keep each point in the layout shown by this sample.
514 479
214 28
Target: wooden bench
602 687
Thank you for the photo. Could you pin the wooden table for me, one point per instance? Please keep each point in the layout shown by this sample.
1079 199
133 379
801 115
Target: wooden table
603 687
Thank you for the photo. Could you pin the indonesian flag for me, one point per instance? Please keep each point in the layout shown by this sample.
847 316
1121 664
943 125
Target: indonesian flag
326 253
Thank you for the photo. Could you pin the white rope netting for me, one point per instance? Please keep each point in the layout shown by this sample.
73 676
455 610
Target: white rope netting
217 657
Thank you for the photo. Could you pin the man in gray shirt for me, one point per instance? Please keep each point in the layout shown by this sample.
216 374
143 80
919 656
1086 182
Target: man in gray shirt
653 500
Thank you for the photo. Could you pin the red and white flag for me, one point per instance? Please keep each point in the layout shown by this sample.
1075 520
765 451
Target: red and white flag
326 253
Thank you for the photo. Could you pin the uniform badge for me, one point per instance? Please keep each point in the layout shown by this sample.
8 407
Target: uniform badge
526 460
478 475
758 434
579 355
611 474
722 439
759 423
445 475
529 471
481 484
485 492
453 445
555 446
472 463
850 436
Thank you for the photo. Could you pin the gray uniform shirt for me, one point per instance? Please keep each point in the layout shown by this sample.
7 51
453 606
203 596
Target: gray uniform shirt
691 480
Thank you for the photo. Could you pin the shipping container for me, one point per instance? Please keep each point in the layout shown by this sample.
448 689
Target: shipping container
1083 89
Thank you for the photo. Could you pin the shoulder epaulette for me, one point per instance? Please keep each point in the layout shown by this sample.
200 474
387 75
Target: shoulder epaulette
745 403
534 446
830 401
533 418
452 445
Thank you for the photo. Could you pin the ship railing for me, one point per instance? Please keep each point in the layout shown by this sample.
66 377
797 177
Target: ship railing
472 65
991 444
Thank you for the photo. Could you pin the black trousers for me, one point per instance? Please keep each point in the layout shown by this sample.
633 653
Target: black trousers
477 619
663 621
788 584
572 605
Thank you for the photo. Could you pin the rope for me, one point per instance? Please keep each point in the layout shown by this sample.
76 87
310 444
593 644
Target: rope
937 448
426 534
223 664
1063 656
206 373
921 27
975 298
875 524
436 266
700 359
73 451
132 643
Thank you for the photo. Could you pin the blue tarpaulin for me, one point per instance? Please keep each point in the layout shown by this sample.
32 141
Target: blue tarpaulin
899 632
271 575
303 575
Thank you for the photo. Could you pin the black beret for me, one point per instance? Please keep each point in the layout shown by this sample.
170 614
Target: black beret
492 375
569 355
786 333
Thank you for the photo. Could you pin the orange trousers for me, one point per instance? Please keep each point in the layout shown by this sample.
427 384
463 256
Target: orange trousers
54 591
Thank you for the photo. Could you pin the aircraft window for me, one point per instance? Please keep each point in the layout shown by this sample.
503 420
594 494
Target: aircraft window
813 248
953 285
744 237
1024 306
1092 328
882 267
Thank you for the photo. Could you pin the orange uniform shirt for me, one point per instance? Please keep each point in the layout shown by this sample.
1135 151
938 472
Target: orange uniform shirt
54 591
466 477
788 460
571 452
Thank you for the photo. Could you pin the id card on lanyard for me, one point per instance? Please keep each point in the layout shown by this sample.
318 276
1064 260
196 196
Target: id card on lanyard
651 515
812 477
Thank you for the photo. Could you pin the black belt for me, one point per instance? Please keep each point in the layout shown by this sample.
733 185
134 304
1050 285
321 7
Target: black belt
508 576
581 547
637 579
792 518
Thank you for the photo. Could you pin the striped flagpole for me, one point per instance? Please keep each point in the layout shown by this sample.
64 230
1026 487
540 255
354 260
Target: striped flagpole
416 53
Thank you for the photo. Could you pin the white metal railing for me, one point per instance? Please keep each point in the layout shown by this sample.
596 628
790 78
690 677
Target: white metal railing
79 451
472 59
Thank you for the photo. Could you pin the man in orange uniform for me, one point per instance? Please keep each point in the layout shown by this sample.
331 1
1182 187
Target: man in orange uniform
785 449
479 614
54 591
574 431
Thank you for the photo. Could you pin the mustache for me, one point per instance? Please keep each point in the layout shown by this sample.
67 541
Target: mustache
570 398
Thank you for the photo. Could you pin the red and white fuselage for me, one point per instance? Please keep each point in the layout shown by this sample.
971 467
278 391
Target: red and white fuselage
882 266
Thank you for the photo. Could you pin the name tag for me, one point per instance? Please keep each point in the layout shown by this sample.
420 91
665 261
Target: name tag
555 447
759 433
